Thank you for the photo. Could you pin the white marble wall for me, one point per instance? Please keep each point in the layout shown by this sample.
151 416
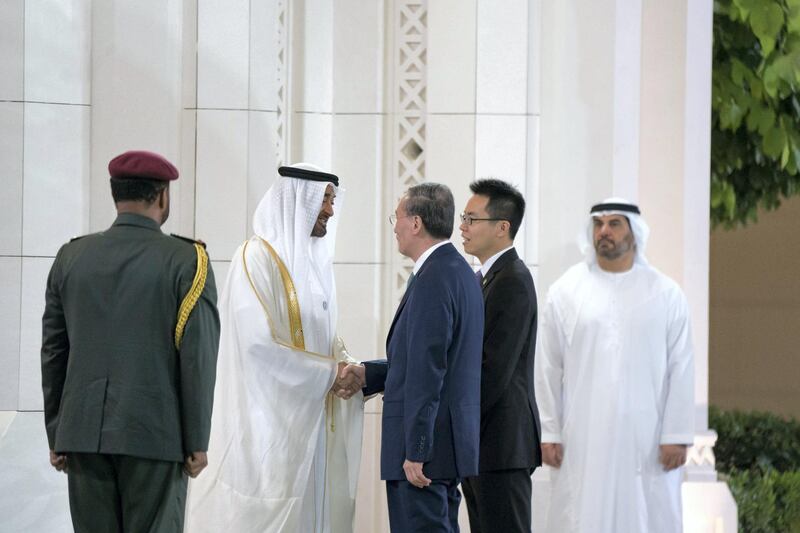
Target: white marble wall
230 89
45 108
204 82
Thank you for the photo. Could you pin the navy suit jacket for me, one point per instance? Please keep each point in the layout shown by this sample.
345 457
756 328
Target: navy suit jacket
432 376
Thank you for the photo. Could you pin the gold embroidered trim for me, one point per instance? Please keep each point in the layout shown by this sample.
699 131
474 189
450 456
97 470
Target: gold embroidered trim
191 298
258 296
292 303
293 308
270 323
330 402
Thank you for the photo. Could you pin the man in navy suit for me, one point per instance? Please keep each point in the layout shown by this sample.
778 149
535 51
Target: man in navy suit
432 376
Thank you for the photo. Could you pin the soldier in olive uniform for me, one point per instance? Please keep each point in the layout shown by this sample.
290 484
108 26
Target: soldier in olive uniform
129 350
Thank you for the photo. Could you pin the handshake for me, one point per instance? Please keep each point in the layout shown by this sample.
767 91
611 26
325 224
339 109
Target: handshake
350 379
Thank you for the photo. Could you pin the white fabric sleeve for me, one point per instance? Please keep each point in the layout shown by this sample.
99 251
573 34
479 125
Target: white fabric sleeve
347 440
678 424
548 374
340 352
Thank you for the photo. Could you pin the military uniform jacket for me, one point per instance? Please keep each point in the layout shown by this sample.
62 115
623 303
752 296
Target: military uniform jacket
113 380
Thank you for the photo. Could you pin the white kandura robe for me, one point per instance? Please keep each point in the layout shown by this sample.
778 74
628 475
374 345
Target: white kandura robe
274 462
614 380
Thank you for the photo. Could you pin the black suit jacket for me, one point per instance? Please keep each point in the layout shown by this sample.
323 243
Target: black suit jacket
509 417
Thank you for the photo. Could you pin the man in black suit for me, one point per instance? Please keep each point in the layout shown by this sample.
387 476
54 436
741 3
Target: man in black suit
499 498
431 381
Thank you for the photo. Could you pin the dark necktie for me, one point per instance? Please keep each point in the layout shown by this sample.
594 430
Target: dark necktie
410 280
479 277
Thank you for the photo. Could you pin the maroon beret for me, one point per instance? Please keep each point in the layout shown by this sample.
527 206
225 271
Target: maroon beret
142 164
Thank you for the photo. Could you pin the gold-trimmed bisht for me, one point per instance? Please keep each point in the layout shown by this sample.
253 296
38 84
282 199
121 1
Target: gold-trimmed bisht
292 302
293 308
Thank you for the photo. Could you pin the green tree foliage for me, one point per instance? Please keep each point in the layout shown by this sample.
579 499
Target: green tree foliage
758 454
755 440
755 138
768 502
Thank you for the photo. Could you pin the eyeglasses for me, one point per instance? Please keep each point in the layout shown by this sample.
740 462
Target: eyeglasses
469 219
393 218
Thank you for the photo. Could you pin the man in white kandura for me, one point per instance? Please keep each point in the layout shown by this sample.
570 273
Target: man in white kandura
614 381
284 451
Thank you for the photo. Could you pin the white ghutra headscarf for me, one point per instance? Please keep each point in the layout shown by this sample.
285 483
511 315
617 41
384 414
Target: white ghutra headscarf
285 217
615 206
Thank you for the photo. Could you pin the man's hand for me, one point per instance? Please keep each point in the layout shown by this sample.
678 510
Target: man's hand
350 379
59 462
414 474
672 456
552 454
195 464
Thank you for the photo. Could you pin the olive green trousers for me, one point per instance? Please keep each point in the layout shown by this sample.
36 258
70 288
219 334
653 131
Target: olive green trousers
120 493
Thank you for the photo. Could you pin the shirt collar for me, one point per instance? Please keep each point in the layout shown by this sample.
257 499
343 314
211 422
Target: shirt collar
132 219
426 254
489 262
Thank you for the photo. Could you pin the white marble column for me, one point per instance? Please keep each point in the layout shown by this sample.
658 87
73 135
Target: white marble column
235 108
45 103
12 53
136 93
507 107
45 136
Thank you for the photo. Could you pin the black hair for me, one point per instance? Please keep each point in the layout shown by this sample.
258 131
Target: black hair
505 201
136 189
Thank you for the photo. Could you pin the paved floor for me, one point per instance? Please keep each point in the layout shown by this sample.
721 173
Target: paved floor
33 496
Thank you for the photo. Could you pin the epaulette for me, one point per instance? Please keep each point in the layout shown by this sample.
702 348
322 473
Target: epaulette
187 239
78 237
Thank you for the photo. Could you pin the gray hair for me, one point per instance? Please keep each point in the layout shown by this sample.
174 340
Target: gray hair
433 203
